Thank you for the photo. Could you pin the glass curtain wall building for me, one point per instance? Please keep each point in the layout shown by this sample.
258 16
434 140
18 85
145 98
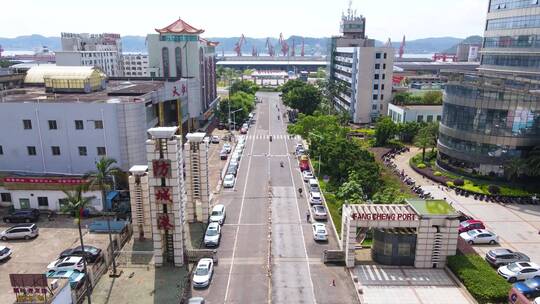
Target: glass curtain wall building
493 116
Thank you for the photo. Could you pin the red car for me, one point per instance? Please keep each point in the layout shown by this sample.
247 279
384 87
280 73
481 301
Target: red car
470 225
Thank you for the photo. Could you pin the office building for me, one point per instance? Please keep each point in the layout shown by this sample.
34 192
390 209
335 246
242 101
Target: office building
99 50
178 51
360 71
493 116
414 112
135 65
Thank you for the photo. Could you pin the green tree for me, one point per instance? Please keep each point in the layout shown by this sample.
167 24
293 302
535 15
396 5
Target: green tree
239 100
389 195
513 168
321 73
424 140
533 162
75 204
291 84
432 97
433 130
351 190
408 130
246 86
385 129
102 177
305 99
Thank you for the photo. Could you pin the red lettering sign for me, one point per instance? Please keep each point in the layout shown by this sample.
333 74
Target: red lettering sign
162 168
383 217
163 195
39 180
164 222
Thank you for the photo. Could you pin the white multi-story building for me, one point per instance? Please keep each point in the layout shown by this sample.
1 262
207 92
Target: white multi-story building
361 72
135 65
177 51
99 50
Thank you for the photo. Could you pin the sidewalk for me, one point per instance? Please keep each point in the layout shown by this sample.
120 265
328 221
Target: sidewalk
402 162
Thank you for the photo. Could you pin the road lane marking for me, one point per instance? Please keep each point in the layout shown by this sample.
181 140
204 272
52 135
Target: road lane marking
239 219
301 226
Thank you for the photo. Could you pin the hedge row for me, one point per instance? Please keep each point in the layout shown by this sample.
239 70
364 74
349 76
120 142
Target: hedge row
480 279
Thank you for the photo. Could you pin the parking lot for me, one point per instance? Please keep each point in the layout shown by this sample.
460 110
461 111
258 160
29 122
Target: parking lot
392 284
33 256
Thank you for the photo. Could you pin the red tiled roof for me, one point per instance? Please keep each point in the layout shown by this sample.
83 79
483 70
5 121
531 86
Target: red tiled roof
180 27
208 42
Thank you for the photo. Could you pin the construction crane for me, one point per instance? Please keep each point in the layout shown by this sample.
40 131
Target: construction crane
238 45
254 51
402 48
284 45
292 50
269 47
302 50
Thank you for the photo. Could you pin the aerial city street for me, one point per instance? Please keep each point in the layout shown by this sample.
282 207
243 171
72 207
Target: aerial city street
364 152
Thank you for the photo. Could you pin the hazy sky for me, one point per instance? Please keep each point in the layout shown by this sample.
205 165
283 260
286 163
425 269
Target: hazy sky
254 18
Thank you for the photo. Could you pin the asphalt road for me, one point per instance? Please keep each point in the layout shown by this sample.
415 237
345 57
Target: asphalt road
267 253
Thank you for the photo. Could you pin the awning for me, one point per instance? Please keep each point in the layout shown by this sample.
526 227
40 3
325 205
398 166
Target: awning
111 195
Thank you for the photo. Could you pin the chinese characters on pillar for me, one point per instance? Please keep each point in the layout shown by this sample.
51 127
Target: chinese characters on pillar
161 168
163 195
164 221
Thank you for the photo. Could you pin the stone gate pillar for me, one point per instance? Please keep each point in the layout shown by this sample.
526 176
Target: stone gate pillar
139 194
167 194
197 186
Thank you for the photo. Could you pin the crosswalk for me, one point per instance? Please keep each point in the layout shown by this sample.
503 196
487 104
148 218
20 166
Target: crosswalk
274 136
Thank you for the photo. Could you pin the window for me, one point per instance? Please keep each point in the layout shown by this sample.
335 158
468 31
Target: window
378 55
31 150
376 76
438 117
165 61
5 197
382 96
384 66
429 118
98 124
375 86
380 106
27 124
79 125
375 96
1 150
385 55
43 201
383 76
62 203
55 150
374 107
388 249
419 118
382 86
52 125
178 61
377 66
101 151
82 151
404 249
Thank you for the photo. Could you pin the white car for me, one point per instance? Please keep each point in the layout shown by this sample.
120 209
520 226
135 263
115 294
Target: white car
245 126
479 236
215 139
4 253
238 150
228 181
319 232
315 198
203 273
218 214
227 147
67 263
307 175
519 271
236 156
212 235
319 212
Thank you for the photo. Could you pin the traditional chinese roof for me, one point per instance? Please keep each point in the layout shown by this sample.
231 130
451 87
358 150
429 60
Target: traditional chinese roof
180 27
208 42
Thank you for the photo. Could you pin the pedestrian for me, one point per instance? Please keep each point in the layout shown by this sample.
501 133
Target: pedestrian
307 216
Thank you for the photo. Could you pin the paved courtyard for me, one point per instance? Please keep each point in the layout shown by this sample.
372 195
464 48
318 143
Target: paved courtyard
516 225
391 284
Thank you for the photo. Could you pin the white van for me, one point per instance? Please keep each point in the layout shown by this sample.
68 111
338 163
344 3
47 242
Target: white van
313 185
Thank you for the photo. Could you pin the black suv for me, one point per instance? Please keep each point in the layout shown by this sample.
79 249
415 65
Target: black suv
22 216
92 253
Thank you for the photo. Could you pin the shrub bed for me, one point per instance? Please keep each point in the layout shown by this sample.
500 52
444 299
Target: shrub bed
484 284
421 166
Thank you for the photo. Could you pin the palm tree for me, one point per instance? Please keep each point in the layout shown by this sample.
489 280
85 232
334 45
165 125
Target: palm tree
514 168
424 140
75 204
533 162
103 176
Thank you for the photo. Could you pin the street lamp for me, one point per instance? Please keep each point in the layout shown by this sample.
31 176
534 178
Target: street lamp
234 117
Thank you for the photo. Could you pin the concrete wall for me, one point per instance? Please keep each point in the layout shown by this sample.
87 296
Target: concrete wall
123 136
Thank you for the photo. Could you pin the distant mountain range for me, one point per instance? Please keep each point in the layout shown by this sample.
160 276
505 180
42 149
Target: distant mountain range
317 46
